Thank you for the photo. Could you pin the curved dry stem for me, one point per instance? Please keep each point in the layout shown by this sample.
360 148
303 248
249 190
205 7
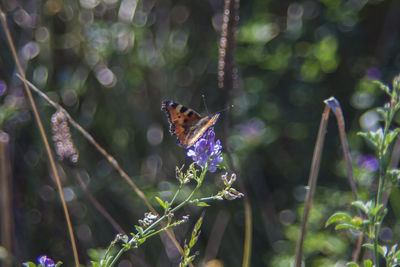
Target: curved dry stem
312 182
96 204
42 134
7 225
109 158
330 104
335 106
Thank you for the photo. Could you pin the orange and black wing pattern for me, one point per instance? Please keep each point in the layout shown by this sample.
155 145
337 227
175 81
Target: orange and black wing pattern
186 123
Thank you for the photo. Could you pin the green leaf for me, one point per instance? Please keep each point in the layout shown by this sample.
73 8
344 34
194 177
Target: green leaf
139 230
397 254
141 241
383 87
95 264
190 259
375 210
29 264
338 216
384 112
365 207
381 250
347 226
396 83
392 135
352 264
373 137
397 106
393 175
368 263
58 264
161 203
202 204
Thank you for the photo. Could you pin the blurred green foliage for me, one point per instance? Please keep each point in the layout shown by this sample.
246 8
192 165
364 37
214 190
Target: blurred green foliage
110 63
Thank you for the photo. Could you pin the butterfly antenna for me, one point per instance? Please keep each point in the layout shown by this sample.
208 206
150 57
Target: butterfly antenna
204 102
225 109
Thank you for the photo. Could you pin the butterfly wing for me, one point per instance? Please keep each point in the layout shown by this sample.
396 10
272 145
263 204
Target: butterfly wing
199 128
181 119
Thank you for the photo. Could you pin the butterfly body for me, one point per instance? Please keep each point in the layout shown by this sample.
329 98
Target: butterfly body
186 124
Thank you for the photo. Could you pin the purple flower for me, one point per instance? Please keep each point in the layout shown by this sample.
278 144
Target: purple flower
373 73
45 261
206 150
368 162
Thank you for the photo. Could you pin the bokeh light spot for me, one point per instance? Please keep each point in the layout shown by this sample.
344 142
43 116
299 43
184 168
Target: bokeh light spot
253 129
127 10
362 100
179 14
40 75
47 193
66 14
287 217
89 4
106 77
299 193
153 163
103 168
30 50
69 97
22 18
373 73
217 20
3 87
42 34
386 234
155 134
69 194
121 137
52 7
84 233
369 121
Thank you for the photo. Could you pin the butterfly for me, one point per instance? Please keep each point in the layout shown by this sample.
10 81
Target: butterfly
185 123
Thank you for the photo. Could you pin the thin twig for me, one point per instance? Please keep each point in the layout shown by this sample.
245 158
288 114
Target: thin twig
90 138
335 107
337 110
312 181
42 134
109 158
330 104
96 204
7 228
216 235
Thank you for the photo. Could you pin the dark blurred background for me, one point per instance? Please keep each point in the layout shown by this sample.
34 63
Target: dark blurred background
110 63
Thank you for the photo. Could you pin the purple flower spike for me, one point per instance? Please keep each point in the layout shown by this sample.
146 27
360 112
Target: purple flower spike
45 261
206 150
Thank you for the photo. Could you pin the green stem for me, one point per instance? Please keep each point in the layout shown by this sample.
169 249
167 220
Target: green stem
120 252
382 169
176 194
186 201
204 199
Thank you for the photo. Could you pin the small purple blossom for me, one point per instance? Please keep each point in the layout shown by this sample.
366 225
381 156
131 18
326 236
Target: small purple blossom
206 150
373 73
45 261
368 162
